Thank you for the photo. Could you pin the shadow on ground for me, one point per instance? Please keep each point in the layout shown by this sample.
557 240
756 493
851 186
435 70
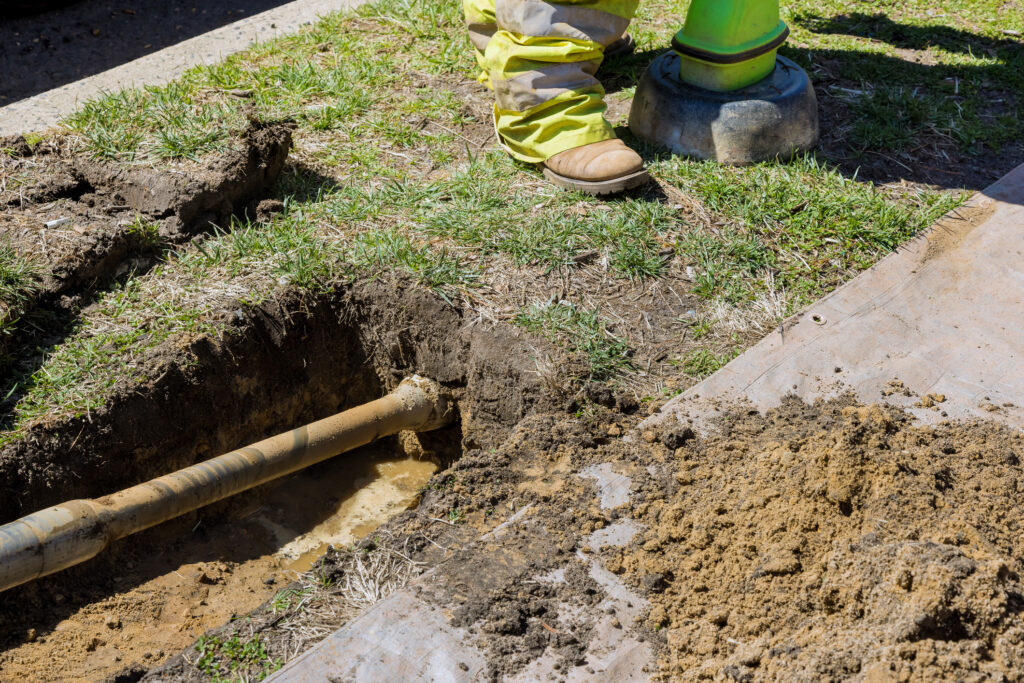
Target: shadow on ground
53 48
888 118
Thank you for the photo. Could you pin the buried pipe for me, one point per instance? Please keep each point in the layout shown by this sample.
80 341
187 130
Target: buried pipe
64 535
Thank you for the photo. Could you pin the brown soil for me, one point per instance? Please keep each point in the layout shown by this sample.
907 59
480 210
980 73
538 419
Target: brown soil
809 543
822 542
501 588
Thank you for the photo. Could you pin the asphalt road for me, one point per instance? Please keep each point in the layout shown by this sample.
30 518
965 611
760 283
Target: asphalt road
41 52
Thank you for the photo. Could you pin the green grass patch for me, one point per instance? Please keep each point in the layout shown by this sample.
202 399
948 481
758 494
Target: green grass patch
703 362
806 223
19 282
377 98
583 332
234 659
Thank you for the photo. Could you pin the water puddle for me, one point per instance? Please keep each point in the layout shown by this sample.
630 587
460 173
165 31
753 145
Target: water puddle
380 490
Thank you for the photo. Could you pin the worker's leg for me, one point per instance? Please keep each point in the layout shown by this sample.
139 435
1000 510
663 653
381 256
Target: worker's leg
481 24
541 62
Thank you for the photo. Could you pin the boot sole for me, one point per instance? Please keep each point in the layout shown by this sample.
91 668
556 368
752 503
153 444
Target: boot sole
599 188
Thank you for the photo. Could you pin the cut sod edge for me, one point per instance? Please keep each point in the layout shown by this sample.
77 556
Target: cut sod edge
183 205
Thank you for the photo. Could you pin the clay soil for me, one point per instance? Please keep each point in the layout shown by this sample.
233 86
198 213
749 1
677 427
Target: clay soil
837 541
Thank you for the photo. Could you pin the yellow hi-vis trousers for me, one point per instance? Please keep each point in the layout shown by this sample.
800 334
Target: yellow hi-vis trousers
540 59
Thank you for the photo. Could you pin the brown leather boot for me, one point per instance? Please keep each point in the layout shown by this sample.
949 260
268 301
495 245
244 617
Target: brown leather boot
599 168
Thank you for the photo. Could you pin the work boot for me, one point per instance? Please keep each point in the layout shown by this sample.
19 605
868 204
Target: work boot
599 168
623 46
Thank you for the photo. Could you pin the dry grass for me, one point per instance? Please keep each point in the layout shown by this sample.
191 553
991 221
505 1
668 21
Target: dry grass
320 603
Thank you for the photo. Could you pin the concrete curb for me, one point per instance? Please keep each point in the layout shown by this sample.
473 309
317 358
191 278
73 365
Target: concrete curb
46 109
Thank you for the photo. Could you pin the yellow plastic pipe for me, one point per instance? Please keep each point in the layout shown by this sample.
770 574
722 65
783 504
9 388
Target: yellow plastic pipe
64 535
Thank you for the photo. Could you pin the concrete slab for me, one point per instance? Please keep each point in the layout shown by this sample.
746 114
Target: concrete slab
46 109
944 315
408 636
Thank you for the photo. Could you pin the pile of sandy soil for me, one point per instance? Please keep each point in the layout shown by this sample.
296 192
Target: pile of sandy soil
836 541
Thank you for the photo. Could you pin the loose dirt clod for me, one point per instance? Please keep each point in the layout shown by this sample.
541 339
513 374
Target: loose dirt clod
823 542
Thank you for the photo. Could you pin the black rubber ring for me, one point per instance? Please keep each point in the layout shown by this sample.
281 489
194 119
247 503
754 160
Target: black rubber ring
735 58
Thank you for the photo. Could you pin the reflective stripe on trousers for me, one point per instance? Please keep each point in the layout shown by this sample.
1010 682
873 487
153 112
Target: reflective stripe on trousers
540 59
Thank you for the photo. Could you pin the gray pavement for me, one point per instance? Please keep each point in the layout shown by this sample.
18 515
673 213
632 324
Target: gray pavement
52 62
54 48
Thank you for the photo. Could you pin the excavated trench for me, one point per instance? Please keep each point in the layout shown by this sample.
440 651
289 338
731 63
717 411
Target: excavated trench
286 363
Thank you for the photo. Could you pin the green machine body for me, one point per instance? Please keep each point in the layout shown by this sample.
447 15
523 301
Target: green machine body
728 45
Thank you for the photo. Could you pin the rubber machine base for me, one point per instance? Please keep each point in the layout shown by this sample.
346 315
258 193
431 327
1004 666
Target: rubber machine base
773 118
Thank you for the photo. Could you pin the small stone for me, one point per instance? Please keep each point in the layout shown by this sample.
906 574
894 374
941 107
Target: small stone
627 403
750 656
649 436
58 598
111 622
655 583
463 666
270 581
677 436
616 623
719 616
31 635
614 430
267 208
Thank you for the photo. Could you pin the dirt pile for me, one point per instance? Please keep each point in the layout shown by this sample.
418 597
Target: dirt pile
824 542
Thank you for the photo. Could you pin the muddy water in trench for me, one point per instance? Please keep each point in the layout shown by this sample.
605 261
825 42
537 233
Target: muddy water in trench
183 580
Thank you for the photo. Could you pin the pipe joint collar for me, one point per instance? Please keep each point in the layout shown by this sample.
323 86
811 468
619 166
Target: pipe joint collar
442 406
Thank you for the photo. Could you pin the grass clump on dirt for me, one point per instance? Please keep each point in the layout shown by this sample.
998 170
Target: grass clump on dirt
605 354
234 659
19 281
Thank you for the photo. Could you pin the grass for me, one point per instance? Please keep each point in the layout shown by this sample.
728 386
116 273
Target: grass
19 281
914 71
804 222
234 659
398 172
584 332
703 362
